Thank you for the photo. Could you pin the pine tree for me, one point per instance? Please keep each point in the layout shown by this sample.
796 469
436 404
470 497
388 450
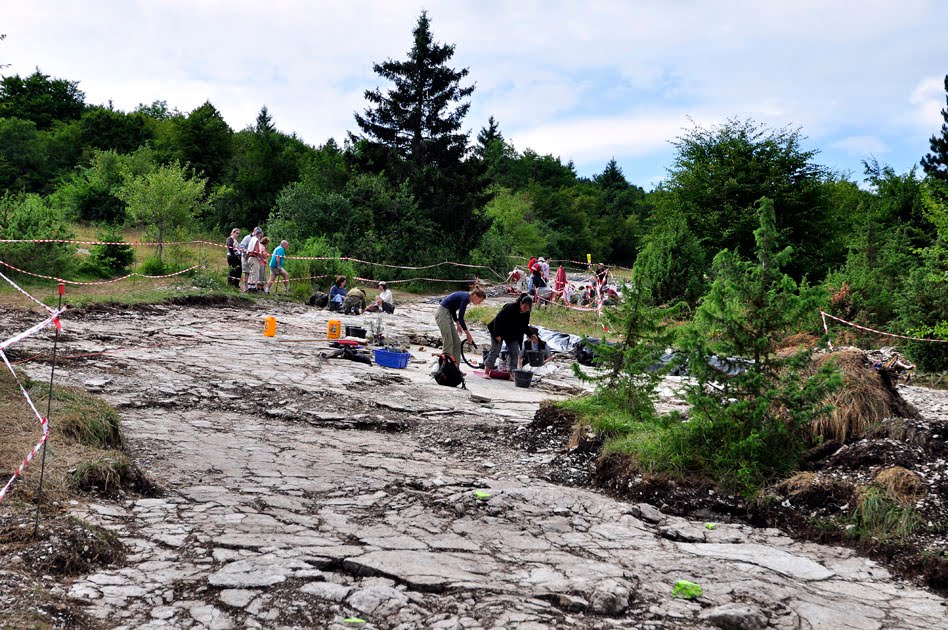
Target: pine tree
935 163
413 132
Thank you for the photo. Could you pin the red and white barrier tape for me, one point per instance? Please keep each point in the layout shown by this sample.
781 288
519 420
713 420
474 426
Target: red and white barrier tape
98 282
44 423
824 315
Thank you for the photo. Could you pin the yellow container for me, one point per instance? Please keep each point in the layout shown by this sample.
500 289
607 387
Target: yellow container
334 329
269 326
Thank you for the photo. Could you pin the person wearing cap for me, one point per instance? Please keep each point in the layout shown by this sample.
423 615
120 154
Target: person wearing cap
544 269
383 301
509 326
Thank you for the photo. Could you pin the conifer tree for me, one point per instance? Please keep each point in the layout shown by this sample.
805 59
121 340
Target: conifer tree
413 132
935 163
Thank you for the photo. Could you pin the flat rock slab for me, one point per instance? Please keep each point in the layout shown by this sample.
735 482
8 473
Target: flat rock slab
273 517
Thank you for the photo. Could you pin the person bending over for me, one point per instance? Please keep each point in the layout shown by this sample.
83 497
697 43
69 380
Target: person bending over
450 319
509 326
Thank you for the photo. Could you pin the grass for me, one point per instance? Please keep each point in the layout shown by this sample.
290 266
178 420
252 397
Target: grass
82 429
878 517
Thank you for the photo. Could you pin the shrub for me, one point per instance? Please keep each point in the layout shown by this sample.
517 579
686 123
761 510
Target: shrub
109 260
320 273
30 217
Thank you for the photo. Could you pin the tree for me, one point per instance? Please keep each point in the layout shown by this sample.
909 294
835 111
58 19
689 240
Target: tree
413 132
163 201
719 173
935 163
751 407
22 156
205 142
40 99
106 129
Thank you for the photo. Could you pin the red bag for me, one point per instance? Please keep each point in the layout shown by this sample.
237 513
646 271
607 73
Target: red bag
501 374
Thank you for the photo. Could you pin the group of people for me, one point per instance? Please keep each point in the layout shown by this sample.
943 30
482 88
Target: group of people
353 301
252 268
510 326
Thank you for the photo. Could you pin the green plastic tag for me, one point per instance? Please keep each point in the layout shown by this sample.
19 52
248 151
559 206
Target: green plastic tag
709 525
483 495
686 590
353 620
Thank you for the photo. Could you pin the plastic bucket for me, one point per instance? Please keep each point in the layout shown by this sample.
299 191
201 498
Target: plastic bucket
535 358
522 378
334 329
269 326
355 331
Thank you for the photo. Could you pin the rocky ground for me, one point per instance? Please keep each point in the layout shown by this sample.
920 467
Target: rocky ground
298 491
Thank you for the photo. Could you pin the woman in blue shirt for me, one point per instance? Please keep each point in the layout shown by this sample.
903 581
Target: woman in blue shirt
450 319
337 294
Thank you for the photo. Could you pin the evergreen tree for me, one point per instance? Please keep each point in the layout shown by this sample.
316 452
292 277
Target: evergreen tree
413 132
205 142
935 164
487 136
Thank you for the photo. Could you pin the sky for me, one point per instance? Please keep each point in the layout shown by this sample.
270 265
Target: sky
583 81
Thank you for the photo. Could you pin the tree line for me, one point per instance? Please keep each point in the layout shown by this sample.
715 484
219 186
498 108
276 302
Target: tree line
409 185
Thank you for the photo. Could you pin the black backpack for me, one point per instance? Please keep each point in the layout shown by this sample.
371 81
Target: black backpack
448 373
319 300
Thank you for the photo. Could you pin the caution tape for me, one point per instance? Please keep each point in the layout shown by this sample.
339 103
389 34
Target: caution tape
53 319
824 315
93 283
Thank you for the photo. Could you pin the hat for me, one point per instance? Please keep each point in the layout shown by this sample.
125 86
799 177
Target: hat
541 259
382 283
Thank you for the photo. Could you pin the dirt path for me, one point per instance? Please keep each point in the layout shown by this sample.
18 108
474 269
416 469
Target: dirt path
301 491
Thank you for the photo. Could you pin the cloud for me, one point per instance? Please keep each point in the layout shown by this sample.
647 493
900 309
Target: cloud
861 146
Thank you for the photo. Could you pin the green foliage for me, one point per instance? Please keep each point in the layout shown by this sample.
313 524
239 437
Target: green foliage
40 99
935 163
514 231
163 202
82 418
31 217
205 142
632 368
153 266
109 260
413 132
718 175
23 163
90 194
748 424
106 129
671 263
320 273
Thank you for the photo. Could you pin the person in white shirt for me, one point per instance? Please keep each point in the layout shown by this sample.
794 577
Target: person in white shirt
253 260
383 301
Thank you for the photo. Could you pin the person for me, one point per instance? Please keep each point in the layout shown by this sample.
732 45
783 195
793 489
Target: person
538 281
337 293
533 343
383 301
244 265
530 265
509 326
276 267
450 319
544 269
233 258
559 285
354 302
253 260
263 255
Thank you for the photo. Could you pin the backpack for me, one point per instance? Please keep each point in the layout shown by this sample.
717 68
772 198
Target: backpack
319 299
584 352
448 373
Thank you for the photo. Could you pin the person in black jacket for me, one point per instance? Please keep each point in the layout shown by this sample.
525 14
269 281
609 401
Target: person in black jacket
509 325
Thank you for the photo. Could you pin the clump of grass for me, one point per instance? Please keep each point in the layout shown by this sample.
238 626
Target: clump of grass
878 517
862 401
105 476
901 485
82 418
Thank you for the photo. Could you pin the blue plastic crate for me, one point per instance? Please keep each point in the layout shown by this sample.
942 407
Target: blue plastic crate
387 358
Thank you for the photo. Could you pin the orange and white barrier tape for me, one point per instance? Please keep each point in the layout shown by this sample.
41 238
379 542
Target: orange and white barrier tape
97 282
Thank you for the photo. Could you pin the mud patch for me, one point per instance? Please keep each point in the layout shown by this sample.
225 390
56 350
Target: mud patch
550 428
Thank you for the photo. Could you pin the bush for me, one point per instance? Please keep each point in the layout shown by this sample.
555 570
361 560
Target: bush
109 260
929 356
30 217
153 267
320 273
